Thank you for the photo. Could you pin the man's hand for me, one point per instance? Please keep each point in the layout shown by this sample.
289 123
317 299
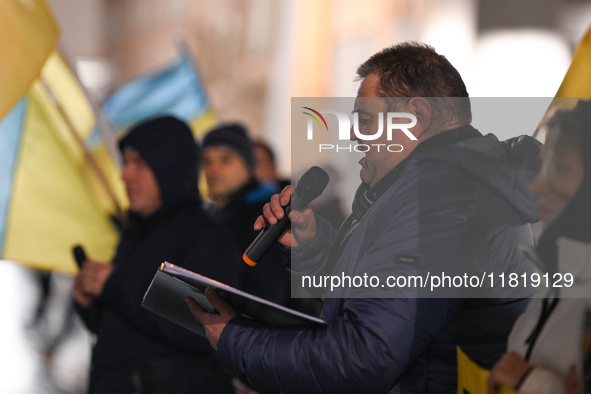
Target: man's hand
508 372
89 282
81 298
303 223
214 324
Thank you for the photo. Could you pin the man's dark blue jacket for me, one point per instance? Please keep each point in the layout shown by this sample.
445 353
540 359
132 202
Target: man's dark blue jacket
466 203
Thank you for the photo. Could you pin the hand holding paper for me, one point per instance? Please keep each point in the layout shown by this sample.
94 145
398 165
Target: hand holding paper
214 323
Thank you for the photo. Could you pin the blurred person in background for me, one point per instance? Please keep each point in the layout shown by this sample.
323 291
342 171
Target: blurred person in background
547 340
137 351
237 198
328 207
265 169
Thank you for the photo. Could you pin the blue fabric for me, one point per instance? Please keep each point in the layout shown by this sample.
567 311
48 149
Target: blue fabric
468 203
263 193
11 131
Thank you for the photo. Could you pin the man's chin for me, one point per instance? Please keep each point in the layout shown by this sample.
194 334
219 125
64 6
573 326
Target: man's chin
365 178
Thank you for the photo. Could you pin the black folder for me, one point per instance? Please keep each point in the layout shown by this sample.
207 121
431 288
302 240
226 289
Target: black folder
171 284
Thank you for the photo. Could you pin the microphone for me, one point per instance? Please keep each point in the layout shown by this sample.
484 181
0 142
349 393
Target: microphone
79 255
310 185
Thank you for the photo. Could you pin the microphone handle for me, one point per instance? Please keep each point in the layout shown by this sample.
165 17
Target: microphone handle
271 233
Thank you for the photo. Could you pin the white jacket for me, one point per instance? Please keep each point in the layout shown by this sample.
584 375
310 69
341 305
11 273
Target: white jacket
559 344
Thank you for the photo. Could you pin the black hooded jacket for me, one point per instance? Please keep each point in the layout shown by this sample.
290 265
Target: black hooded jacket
180 232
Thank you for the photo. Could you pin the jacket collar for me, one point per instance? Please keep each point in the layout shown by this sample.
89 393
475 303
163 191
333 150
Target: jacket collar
447 137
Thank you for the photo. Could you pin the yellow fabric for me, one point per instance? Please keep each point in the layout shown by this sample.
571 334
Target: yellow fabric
200 126
57 200
472 378
575 85
56 74
577 81
203 124
28 34
72 99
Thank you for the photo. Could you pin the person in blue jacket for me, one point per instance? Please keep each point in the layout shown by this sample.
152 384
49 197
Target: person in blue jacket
452 198
137 351
237 198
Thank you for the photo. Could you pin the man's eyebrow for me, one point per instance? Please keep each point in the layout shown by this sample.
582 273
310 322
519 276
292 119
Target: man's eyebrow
361 111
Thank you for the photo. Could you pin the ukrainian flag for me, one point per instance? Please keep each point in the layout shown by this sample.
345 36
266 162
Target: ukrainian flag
175 90
51 194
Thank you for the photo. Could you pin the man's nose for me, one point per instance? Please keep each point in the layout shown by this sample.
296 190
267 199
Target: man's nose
210 169
126 174
352 135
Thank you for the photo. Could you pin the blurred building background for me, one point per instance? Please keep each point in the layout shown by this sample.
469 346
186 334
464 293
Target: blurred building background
254 55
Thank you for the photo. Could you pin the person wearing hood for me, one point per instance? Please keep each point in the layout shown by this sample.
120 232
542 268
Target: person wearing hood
547 341
452 198
137 351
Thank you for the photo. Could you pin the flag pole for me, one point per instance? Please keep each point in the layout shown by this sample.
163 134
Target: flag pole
87 155
182 46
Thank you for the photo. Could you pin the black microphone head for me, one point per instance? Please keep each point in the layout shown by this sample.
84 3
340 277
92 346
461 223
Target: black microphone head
312 184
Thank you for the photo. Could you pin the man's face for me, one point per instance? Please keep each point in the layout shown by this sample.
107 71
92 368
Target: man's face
376 163
225 171
141 185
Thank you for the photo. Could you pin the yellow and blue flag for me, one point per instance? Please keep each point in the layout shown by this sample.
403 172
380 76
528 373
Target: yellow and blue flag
50 196
175 90
28 34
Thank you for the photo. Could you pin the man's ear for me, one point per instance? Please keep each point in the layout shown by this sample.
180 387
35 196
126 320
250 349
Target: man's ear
421 108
